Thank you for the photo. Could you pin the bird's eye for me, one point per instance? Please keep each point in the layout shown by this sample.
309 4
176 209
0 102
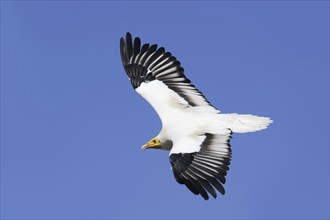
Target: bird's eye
154 141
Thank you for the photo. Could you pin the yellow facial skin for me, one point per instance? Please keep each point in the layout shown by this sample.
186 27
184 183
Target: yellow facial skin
153 143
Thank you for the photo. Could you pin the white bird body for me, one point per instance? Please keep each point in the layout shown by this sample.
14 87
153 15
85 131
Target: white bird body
196 133
179 120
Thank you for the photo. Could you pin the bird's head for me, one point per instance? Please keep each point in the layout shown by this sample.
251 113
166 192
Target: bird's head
154 143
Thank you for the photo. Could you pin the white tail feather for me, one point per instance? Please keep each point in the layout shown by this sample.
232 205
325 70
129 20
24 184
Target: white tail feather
246 123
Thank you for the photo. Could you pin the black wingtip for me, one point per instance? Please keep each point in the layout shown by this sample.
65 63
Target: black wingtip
137 46
129 45
126 48
123 51
128 35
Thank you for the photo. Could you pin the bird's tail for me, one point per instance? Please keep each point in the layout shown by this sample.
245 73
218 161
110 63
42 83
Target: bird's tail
246 123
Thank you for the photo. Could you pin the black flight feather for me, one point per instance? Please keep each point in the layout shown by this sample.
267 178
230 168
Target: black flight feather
138 61
204 172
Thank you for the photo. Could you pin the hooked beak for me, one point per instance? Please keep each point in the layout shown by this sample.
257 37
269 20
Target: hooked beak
144 147
153 143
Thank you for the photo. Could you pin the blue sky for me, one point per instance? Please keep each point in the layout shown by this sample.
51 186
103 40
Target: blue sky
72 126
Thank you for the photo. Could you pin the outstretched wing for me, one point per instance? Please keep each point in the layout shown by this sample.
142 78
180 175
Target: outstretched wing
150 63
204 171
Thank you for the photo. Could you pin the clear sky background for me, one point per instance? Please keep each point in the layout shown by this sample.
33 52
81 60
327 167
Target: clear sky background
72 126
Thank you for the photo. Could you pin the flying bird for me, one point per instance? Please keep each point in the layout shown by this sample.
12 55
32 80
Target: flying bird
196 134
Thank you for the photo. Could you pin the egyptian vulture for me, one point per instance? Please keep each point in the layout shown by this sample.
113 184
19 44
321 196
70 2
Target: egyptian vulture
195 133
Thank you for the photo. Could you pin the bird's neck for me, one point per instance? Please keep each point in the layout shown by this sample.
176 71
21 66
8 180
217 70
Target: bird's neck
167 145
